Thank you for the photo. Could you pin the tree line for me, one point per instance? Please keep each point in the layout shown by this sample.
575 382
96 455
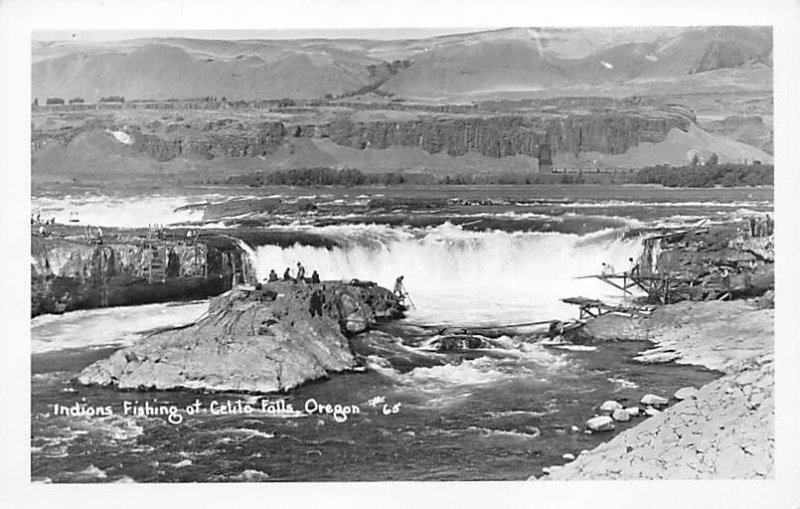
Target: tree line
709 175
726 175
305 177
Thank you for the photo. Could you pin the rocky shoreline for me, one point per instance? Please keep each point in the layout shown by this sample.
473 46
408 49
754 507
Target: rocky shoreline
725 430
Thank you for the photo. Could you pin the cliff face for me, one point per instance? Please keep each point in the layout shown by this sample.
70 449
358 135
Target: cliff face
68 274
511 135
212 139
493 135
610 133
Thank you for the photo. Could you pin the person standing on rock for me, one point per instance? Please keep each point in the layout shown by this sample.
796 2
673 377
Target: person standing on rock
273 276
399 289
286 275
314 278
315 306
301 273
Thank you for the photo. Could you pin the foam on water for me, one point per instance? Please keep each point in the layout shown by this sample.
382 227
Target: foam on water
250 475
476 372
457 276
576 348
108 326
670 204
92 472
244 433
530 433
129 212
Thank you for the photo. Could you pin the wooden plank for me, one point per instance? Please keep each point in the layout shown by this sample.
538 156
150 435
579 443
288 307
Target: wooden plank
580 301
615 285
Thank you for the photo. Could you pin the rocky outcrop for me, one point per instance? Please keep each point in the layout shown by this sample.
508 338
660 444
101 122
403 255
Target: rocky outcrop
265 339
391 350
69 271
724 261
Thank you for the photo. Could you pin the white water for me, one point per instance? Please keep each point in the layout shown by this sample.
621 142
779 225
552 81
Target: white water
464 277
119 212
119 326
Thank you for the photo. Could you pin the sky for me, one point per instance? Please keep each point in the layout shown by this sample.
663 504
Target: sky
352 33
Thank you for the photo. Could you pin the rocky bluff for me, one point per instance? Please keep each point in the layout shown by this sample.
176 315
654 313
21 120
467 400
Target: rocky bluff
268 338
501 136
492 133
70 271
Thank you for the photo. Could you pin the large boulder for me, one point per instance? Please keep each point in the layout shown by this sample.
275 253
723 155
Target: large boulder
632 411
271 339
610 406
653 400
459 342
600 423
686 393
621 415
393 352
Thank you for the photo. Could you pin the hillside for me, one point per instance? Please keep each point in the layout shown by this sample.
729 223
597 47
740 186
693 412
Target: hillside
535 61
486 102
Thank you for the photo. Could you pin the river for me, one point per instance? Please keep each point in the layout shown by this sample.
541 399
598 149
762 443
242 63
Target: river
492 256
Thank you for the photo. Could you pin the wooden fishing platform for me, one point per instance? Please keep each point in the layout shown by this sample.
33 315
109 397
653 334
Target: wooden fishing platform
593 307
657 287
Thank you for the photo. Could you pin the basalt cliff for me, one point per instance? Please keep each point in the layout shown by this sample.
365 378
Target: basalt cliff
143 140
73 270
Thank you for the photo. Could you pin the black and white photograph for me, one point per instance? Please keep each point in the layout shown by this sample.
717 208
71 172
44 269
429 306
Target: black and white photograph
368 254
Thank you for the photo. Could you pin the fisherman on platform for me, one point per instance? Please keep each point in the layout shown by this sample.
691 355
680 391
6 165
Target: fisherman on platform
314 278
301 273
273 276
286 275
634 271
608 270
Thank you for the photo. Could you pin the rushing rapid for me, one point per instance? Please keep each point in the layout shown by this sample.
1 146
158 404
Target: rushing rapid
488 257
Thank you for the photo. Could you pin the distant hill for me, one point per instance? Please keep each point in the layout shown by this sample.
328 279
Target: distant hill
510 62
